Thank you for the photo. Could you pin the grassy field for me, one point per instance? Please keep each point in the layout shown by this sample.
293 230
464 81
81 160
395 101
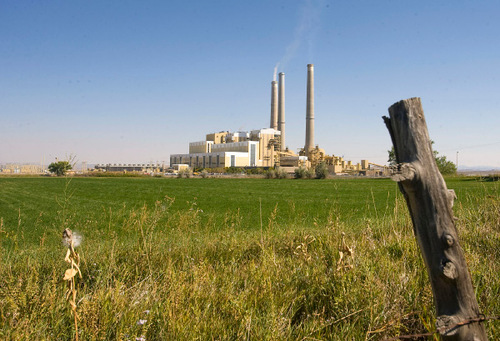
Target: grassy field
227 259
31 205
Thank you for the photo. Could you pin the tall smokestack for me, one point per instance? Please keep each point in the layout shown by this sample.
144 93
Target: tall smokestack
281 108
274 105
310 110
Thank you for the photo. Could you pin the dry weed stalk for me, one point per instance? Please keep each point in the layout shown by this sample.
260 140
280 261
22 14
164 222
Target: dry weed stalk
72 257
344 252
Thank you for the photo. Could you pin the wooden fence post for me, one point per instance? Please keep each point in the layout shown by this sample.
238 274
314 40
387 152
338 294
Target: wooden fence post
430 205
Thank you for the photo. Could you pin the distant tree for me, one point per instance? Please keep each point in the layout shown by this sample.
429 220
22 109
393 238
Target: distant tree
445 166
60 168
392 157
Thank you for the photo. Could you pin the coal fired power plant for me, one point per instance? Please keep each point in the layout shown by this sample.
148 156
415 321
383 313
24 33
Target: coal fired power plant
266 147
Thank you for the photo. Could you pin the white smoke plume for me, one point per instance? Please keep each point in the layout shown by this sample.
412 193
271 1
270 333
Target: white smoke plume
305 31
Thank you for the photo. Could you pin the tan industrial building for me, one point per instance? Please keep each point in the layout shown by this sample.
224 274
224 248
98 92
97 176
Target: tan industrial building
257 148
14 168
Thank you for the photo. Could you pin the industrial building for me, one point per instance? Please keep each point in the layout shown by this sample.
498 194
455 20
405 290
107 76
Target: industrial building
266 147
132 167
14 168
258 148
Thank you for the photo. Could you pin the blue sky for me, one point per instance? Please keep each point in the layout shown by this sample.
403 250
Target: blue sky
135 81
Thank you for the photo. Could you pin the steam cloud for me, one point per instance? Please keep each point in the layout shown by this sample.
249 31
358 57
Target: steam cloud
275 71
306 29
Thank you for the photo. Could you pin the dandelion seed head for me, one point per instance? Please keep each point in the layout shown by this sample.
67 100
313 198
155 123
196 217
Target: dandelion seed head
69 236
77 239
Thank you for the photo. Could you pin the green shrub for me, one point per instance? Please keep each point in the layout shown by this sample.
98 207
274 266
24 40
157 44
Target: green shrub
116 175
270 173
276 174
321 171
233 170
216 170
254 170
281 174
304 173
185 173
300 173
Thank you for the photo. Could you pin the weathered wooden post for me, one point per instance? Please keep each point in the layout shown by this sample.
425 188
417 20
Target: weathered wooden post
430 205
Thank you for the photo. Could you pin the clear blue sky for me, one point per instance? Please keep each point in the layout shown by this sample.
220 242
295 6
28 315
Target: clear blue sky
135 81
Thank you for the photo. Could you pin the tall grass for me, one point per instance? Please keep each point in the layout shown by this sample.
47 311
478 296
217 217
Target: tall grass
162 274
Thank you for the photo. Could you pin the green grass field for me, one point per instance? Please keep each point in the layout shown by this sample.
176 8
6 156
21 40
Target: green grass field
38 203
230 259
32 205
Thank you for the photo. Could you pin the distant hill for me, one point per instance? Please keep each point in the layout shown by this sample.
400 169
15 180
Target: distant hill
478 170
